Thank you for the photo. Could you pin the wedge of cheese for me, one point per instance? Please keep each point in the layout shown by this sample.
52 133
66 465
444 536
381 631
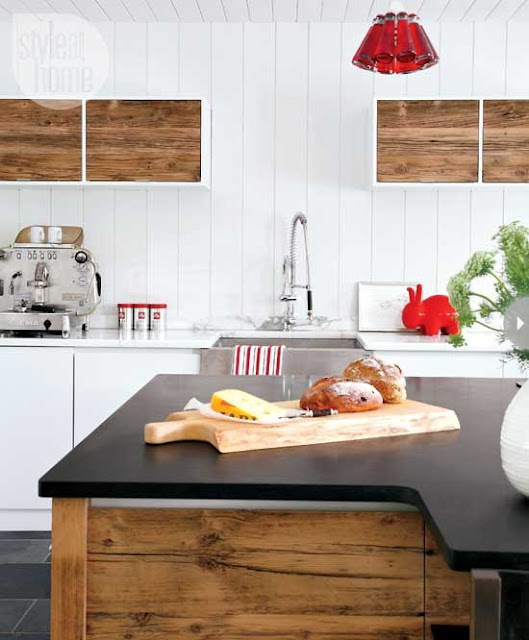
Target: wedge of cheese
242 405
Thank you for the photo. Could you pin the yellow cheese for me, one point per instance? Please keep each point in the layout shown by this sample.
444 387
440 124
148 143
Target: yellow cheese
239 404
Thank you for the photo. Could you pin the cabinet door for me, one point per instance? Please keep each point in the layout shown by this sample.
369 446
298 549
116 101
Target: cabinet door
40 141
105 379
506 141
37 426
427 140
152 140
446 364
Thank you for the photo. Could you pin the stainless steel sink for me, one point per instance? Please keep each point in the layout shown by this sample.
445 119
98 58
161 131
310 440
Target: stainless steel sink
291 343
303 356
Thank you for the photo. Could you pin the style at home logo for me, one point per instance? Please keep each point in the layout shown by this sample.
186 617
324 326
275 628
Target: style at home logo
58 55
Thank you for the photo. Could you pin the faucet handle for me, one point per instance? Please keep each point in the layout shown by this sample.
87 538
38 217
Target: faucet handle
287 293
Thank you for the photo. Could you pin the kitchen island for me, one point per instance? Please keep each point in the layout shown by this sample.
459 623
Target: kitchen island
180 541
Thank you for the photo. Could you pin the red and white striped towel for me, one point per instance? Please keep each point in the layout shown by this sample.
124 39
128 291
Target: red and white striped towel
257 361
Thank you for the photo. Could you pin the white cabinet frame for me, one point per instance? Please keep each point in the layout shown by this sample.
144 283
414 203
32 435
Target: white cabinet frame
205 148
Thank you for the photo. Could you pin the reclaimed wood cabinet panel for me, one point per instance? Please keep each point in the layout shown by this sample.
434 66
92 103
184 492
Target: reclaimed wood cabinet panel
447 592
431 141
143 140
40 141
506 141
254 574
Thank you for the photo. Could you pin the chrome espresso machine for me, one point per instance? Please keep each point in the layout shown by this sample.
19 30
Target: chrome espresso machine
47 287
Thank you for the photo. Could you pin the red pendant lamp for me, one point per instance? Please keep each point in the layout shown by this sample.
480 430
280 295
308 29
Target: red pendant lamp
396 43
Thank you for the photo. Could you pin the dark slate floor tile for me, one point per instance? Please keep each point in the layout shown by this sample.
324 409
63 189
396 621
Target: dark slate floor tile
30 581
23 550
25 535
11 612
37 620
47 558
24 636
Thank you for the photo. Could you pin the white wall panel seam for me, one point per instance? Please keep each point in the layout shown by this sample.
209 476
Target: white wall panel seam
437 241
506 53
211 69
307 124
404 232
340 120
274 217
241 214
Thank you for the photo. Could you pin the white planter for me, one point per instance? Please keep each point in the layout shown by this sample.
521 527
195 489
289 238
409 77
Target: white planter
515 441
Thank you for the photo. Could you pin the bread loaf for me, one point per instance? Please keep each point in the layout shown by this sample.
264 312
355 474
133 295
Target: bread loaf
386 378
342 395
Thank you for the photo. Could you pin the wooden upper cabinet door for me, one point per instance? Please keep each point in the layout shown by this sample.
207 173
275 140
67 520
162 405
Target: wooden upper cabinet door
40 140
145 140
427 140
506 141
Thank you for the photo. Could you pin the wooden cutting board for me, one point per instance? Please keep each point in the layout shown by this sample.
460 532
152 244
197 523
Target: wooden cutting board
409 417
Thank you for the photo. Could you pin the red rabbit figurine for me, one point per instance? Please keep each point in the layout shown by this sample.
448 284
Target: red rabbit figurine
430 316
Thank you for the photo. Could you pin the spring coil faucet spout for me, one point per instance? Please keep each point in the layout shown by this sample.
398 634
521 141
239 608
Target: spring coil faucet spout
289 273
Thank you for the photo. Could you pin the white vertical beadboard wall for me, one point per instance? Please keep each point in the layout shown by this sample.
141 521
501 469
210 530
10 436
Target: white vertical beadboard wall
291 131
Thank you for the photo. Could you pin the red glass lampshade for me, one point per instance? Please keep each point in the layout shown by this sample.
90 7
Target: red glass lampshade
396 43
404 46
365 56
385 50
426 54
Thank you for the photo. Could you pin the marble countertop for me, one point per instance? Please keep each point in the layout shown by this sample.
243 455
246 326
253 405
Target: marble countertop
205 339
407 341
112 338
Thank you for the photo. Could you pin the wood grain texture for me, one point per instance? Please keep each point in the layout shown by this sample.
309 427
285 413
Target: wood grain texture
406 418
146 140
69 569
40 141
242 574
447 592
427 140
506 141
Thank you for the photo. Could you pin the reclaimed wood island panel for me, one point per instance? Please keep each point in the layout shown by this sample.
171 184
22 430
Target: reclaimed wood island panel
222 574
260 565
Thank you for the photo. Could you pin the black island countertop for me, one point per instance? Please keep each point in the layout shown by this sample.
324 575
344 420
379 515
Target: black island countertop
454 478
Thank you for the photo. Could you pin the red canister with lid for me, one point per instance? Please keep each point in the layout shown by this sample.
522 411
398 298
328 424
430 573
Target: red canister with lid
125 316
141 316
158 317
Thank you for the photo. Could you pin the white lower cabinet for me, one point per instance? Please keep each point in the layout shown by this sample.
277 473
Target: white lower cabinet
447 364
512 369
106 378
37 409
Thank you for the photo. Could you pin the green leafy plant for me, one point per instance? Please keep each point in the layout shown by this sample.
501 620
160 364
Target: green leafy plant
507 267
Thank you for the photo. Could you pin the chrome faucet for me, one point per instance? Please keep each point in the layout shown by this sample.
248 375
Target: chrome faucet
288 294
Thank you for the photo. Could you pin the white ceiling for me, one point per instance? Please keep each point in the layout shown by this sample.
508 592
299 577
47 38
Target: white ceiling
268 10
